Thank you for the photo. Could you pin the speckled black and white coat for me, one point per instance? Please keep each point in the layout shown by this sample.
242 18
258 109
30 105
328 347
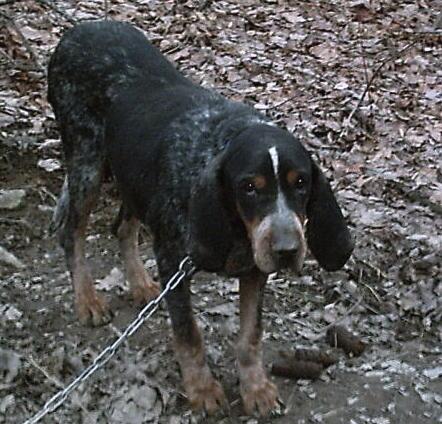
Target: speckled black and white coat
208 176
135 113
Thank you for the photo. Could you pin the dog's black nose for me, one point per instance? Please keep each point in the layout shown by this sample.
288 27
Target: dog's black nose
285 258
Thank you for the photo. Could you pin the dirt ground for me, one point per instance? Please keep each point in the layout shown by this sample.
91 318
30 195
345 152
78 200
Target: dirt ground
310 66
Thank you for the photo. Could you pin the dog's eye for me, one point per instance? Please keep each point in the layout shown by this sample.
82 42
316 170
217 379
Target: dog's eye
248 188
299 183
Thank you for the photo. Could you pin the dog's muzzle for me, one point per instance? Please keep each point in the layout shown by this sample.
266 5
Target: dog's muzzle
278 242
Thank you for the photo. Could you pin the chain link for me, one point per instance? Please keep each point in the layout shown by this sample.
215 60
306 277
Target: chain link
185 269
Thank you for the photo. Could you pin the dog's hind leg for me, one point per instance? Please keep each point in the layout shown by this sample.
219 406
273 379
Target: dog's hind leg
82 137
142 286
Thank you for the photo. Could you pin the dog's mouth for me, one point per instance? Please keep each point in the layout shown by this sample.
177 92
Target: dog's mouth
273 262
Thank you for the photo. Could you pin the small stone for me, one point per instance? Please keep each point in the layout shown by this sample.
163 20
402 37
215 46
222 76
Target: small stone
6 402
49 165
150 263
341 85
9 367
433 373
175 419
380 420
11 199
352 400
11 313
113 280
49 144
8 258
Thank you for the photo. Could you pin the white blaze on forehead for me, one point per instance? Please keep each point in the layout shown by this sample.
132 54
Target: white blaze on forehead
275 160
281 204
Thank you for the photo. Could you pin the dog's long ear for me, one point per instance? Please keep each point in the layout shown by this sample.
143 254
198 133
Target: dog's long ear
211 235
327 234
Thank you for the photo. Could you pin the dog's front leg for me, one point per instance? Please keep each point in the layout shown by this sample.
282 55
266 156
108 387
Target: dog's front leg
257 391
202 389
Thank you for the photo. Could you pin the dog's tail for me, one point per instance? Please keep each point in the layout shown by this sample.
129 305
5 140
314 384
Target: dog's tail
60 213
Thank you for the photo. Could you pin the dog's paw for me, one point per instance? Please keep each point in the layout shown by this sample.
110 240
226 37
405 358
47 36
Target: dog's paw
258 394
206 394
92 309
144 291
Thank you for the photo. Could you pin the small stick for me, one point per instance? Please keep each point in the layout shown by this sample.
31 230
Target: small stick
106 10
48 376
369 84
12 221
61 12
296 370
372 291
364 59
26 44
340 337
349 311
277 105
5 2
310 355
373 267
55 381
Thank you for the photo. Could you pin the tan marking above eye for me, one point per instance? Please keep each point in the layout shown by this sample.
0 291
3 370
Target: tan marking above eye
292 177
259 181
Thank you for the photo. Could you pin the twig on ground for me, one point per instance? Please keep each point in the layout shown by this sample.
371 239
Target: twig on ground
340 319
51 378
297 370
233 90
5 2
340 337
377 71
55 8
7 57
106 10
42 191
26 43
277 105
379 272
56 382
364 60
372 291
11 221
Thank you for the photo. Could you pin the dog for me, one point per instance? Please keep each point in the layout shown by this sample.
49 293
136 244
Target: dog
210 177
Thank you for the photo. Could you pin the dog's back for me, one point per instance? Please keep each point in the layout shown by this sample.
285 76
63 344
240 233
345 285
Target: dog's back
95 60
112 92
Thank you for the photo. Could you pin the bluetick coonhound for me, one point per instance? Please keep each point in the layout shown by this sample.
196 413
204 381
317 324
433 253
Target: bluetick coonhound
210 177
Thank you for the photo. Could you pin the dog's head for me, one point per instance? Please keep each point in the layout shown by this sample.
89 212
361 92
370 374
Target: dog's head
264 187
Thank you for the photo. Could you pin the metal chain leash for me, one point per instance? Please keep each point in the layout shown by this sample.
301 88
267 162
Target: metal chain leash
185 269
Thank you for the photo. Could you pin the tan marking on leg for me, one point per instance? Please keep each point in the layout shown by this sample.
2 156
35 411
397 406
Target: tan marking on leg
257 391
91 306
203 391
142 286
